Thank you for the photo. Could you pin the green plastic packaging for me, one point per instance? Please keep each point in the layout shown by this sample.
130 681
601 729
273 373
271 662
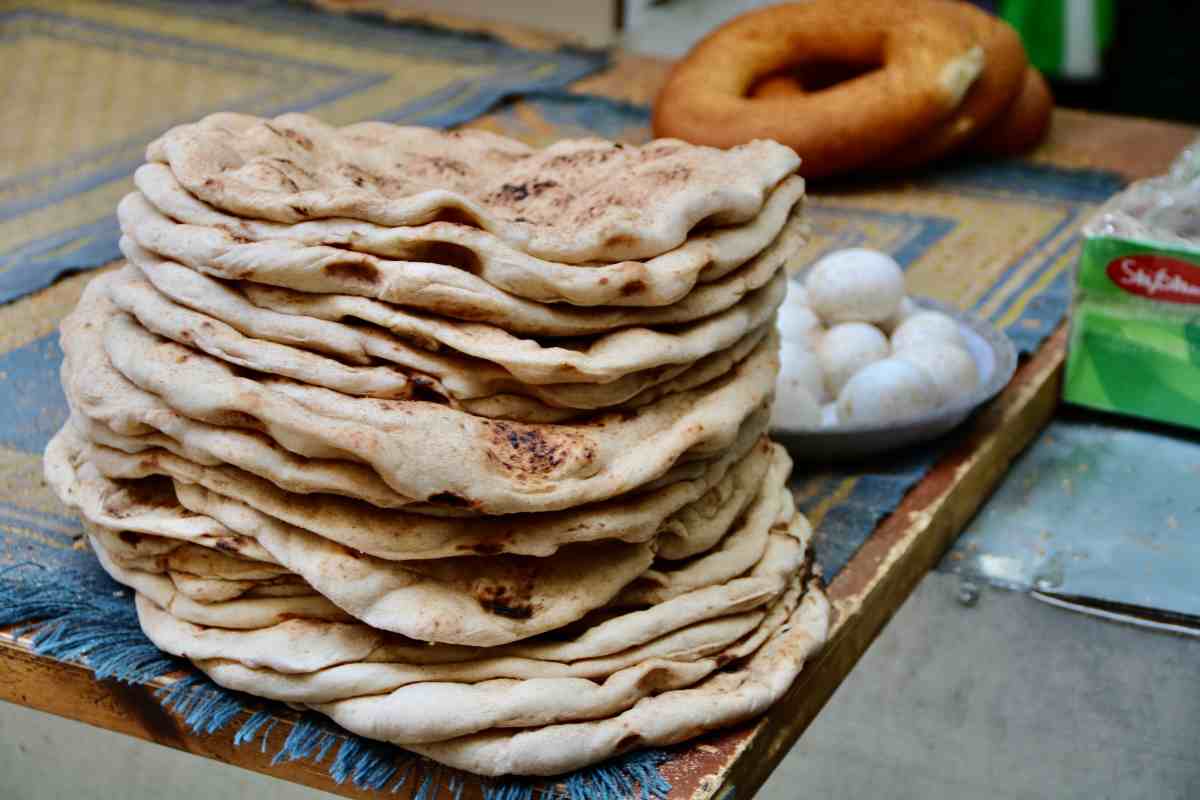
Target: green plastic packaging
1135 325
1063 38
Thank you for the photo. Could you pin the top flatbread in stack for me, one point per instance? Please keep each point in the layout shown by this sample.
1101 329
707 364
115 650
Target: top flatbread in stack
446 247
458 442
578 201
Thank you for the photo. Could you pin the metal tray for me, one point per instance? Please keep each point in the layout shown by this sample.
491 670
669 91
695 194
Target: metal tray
996 359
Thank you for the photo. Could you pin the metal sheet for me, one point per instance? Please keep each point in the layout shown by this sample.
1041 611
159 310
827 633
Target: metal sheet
1096 510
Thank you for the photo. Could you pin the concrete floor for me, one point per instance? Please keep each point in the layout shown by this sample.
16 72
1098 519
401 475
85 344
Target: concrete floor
1009 699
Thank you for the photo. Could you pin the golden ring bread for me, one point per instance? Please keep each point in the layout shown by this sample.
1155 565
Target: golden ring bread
1023 124
992 96
927 60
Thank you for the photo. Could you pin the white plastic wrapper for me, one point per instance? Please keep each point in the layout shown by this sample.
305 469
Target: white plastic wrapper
1164 209
1186 168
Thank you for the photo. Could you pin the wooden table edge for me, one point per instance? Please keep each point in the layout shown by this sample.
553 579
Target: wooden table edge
911 541
916 535
864 595
70 690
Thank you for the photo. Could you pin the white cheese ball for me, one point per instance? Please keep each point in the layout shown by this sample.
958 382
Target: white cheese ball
799 365
907 309
847 348
795 406
855 285
796 294
925 327
952 369
891 390
798 324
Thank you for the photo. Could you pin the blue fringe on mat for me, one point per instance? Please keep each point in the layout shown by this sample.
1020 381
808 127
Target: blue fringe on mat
78 617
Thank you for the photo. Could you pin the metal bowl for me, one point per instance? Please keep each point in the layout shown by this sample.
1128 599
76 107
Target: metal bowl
996 359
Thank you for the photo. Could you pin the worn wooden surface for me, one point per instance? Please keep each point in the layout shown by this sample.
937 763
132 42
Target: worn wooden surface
865 594
70 690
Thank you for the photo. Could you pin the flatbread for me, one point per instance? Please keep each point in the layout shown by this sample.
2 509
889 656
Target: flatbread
309 661
209 590
662 280
730 637
434 711
740 548
135 508
581 399
151 553
220 590
474 600
289 645
460 601
600 359
505 361
131 293
241 613
727 486
198 573
783 558
302 660
481 601
110 410
463 382
676 629
421 703
575 201
248 450
422 288
454 441
720 701
490 466
528 319
474 385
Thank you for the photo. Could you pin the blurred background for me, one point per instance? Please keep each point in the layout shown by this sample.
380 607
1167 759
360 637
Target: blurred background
1101 55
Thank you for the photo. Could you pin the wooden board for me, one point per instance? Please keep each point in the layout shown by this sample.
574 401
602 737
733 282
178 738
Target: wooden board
865 594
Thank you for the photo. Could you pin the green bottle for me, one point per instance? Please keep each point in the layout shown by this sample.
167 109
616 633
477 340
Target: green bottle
1065 39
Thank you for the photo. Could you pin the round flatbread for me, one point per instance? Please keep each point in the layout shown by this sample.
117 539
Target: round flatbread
703 508
434 290
720 701
474 600
444 251
480 600
560 375
490 466
577 201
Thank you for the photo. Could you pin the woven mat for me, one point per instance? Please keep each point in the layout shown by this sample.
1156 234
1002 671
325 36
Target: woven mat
997 238
86 85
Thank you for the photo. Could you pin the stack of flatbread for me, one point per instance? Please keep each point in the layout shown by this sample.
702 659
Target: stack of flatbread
458 442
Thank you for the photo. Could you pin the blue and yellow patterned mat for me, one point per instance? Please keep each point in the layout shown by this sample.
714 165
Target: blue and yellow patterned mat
87 84
997 238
